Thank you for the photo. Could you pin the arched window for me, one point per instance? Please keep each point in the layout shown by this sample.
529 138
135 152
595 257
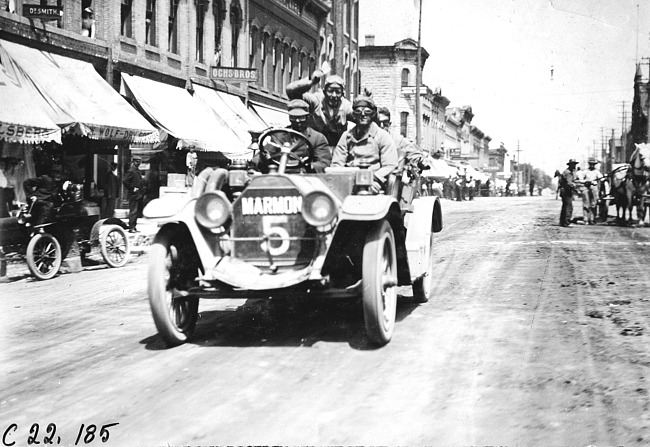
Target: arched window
235 24
405 77
201 5
263 59
404 123
172 27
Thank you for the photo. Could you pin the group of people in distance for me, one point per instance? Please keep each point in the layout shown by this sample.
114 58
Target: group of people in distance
322 116
586 184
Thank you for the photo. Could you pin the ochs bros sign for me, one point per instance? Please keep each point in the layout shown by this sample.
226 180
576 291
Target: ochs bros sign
233 74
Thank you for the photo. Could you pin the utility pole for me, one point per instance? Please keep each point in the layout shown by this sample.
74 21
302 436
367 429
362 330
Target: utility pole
418 80
518 168
623 132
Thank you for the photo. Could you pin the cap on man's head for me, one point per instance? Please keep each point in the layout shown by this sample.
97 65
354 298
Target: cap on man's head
363 101
572 161
298 107
89 10
335 80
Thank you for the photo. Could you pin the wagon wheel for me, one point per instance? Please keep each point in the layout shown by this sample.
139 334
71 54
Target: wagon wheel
44 256
379 272
114 245
171 267
275 142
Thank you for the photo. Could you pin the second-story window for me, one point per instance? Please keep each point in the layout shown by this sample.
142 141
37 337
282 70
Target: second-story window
127 18
235 24
346 16
405 77
219 13
172 27
404 123
263 59
200 20
150 23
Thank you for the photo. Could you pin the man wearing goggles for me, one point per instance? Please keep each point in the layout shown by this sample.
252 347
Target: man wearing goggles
406 150
330 111
367 143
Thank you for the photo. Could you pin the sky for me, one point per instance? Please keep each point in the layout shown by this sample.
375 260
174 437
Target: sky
543 75
547 76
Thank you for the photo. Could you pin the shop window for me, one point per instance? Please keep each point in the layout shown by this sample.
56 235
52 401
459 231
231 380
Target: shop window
200 20
235 24
403 123
150 23
405 77
219 12
172 27
126 18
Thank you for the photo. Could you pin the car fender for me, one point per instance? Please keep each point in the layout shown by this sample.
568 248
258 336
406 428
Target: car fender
355 221
366 207
425 220
205 242
94 232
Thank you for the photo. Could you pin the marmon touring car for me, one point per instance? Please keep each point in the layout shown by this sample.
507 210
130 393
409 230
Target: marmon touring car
253 235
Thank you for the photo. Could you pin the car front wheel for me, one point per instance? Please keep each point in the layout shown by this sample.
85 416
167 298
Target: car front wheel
380 283
114 245
170 270
44 256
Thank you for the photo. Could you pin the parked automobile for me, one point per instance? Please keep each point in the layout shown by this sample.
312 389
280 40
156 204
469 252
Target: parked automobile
46 244
251 235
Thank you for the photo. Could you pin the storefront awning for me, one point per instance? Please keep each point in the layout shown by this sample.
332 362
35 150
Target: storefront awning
439 169
236 105
185 117
272 117
80 100
238 123
22 115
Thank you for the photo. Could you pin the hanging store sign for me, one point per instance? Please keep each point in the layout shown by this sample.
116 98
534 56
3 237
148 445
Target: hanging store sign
43 12
233 74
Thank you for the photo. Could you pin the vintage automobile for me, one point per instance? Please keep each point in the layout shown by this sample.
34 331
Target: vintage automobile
45 245
250 235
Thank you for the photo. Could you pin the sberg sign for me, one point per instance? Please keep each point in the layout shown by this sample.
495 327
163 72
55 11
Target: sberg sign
233 74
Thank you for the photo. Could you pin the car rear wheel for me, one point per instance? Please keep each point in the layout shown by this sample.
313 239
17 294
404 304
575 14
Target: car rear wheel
114 245
170 268
422 286
44 256
380 283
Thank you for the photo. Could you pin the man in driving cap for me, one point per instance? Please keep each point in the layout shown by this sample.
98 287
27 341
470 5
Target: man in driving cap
329 110
320 155
567 187
367 143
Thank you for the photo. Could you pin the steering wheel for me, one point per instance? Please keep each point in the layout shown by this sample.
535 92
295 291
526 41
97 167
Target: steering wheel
287 148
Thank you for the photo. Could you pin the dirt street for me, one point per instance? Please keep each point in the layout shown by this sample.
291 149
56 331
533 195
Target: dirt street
536 335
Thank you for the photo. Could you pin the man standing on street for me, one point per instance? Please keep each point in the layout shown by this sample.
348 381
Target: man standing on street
592 177
134 185
566 185
111 191
191 161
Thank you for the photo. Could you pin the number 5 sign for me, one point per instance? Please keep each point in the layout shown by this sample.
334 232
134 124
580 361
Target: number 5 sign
272 230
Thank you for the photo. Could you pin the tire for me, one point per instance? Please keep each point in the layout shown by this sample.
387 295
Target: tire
422 286
114 245
169 268
44 256
379 294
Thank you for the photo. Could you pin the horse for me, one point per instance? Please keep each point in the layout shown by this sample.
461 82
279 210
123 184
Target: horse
618 182
637 180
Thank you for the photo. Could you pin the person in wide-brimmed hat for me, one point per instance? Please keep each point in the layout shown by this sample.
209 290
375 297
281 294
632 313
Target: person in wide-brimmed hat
567 187
590 193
